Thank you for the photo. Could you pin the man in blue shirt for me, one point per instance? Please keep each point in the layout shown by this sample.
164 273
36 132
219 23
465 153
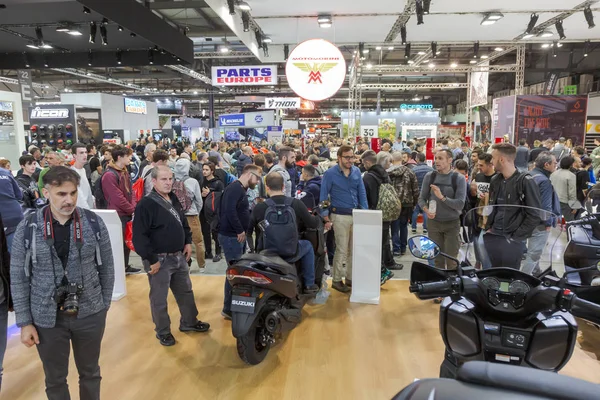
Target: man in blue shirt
344 187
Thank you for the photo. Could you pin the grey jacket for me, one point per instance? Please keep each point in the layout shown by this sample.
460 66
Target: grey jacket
287 182
192 187
33 296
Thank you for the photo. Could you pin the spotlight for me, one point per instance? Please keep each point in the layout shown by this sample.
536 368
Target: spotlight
361 48
90 58
86 10
224 49
589 17
242 5
554 47
231 6
120 28
74 32
132 34
267 39
150 57
26 60
163 52
104 21
403 34
407 51
431 65
484 57
491 18
325 20
472 62
119 57
476 50
104 35
39 34
419 11
286 51
390 48
378 48
560 30
586 48
498 49
265 49
528 36
546 45
93 29
246 21
546 34
45 62
532 21
258 37
453 65
421 53
32 45
434 49
426 5
410 62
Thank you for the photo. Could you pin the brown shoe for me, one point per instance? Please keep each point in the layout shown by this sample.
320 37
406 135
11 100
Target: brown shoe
340 287
348 282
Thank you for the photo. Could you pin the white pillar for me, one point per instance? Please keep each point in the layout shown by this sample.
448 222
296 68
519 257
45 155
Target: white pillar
115 232
366 256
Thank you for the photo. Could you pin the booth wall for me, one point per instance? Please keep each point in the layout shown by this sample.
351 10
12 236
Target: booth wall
390 122
13 144
593 107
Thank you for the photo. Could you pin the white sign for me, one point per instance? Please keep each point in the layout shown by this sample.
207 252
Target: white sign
135 106
244 75
369 131
316 70
284 103
39 113
479 87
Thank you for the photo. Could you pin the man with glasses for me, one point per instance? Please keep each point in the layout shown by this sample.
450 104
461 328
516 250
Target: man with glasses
344 188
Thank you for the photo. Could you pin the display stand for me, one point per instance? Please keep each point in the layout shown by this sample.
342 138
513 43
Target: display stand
366 256
115 232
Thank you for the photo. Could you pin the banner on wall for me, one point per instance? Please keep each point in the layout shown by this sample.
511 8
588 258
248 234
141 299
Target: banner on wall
550 85
26 89
551 117
479 86
247 75
503 117
387 128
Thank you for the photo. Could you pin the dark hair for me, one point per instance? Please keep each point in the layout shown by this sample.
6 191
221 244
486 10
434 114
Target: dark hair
33 149
479 153
210 165
90 147
214 144
421 157
506 149
448 153
160 155
259 160
344 149
56 176
274 181
313 159
461 165
586 161
77 146
486 157
444 142
579 150
104 149
214 160
26 159
269 159
310 170
522 142
464 144
369 156
285 152
566 162
120 151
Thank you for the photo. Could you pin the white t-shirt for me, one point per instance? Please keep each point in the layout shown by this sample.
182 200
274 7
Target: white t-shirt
85 198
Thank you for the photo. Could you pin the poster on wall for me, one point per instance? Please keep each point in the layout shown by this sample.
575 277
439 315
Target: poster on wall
503 117
551 117
387 128
479 86
88 126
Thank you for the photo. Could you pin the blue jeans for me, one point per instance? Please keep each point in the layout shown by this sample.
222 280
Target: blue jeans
233 251
3 329
306 256
416 211
535 247
400 233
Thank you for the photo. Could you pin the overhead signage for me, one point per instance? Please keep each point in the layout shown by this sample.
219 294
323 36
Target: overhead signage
244 75
416 106
316 69
135 106
49 113
369 131
283 103
26 88
232 120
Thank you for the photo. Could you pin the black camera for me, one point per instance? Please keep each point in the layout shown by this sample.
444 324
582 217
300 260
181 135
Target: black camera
67 298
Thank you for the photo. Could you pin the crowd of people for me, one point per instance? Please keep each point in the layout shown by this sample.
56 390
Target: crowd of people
177 200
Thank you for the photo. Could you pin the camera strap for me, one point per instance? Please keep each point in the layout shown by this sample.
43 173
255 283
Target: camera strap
77 234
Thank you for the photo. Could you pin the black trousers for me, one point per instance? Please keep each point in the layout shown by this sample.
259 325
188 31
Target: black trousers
207 233
503 252
85 335
126 251
387 258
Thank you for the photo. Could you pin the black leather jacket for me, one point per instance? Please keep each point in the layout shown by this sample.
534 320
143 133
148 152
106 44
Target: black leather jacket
521 189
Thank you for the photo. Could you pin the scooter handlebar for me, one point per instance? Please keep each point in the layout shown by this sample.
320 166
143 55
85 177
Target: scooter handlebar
585 309
436 289
583 221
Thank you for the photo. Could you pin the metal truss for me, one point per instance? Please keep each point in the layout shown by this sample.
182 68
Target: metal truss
191 73
13 81
442 69
412 86
520 75
95 77
498 54
216 54
469 122
355 96
409 10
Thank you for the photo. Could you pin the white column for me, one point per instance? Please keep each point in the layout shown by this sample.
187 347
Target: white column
115 231
366 256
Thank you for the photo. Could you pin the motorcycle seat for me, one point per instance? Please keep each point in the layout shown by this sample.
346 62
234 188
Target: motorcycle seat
272 261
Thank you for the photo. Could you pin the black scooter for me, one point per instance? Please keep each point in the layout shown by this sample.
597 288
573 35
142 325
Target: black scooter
267 296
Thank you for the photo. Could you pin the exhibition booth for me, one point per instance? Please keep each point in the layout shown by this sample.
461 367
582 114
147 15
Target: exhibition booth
248 126
12 133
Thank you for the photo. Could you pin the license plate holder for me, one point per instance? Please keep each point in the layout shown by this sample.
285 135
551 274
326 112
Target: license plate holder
243 304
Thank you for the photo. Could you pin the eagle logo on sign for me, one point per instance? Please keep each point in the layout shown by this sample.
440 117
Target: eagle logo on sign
315 70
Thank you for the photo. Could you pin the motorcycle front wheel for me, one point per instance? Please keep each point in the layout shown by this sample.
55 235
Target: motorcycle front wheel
251 347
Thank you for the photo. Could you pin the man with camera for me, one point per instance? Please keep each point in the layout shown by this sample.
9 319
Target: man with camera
62 279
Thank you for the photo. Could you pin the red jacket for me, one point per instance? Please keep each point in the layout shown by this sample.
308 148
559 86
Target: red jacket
118 192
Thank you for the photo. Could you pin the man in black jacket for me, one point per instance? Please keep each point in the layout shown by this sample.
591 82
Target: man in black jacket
508 227
305 252
162 237
5 300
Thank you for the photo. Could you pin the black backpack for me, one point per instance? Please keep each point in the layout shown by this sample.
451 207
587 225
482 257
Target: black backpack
211 209
280 233
101 202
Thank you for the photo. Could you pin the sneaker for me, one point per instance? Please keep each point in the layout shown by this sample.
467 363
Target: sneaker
166 340
386 276
340 287
398 254
208 256
132 271
348 282
396 266
199 327
414 230
424 230
226 315
217 258
312 289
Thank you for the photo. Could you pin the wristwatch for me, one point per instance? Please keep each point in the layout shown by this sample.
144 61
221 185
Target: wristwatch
444 199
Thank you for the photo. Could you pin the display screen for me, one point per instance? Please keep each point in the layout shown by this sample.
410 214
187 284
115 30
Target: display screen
504 286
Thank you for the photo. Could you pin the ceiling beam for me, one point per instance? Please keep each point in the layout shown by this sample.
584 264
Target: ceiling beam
175 5
409 9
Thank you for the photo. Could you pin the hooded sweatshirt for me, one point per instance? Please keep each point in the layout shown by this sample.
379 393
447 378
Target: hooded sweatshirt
192 187
243 160
310 192
373 179
286 178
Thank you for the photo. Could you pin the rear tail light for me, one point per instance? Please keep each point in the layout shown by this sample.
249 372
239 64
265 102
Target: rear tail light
257 277
231 273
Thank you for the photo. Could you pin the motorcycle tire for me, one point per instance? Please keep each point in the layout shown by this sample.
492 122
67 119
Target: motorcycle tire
250 350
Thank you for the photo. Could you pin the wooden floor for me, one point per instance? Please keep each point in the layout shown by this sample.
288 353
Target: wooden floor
340 351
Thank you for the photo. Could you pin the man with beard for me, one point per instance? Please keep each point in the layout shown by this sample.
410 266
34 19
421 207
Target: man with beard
287 159
234 219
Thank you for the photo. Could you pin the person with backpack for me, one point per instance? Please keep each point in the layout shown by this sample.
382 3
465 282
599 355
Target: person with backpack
162 238
116 193
187 190
53 269
545 165
508 227
377 181
211 191
420 170
234 220
560 150
287 159
405 182
309 188
285 218
446 191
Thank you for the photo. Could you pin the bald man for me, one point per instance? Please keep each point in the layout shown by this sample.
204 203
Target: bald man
244 159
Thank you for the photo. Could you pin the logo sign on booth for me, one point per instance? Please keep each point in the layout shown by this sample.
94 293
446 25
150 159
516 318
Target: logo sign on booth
232 120
416 106
244 75
135 106
283 103
258 119
49 113
316 69
369 131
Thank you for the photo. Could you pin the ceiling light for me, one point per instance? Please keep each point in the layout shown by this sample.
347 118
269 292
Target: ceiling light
267 39
426 5
391 48
93 29
487 22
407 50
242 5
75 32
324 18
369 65
63 29
378 48
46 46
528 36
421 53
104 35
419 12
559 44
124 94
128 83
132 34
120 28
410 62
545 45
554 46
546 34
88 73
431 65
325 25
491 18
150 57
109 79
560 30
472 62
434 49
586 48
498 49
426 61
246 21
32 45
104 21
453 65
589 17
90 58
119 57
366 51
476 50
27 64
403 33
195 92
86 10
532 21
45 62
484 57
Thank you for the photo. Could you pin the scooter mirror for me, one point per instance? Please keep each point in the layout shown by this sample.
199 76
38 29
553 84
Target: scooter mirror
424 248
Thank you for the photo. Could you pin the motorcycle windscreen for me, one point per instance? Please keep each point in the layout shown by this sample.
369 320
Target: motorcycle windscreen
424 273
